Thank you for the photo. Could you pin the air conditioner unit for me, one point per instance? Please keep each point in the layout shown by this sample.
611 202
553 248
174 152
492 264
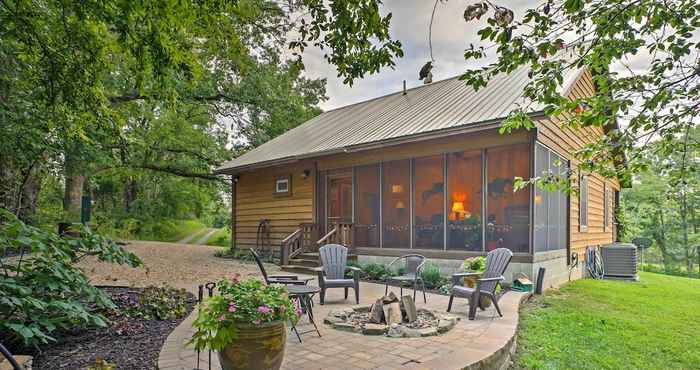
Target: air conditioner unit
619 261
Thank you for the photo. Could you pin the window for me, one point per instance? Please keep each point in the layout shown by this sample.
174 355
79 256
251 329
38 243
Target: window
583 202
283 185
367 206
396 206
429 201
508 220
464 200
550 207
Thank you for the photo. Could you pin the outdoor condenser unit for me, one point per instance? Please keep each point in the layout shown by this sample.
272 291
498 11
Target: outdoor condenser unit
619 261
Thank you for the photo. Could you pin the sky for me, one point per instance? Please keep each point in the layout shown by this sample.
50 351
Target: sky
409 24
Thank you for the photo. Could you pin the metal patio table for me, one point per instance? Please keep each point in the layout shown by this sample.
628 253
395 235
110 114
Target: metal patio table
304 294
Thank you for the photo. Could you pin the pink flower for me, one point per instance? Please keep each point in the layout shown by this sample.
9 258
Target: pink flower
264 309
282 308
222 317
235 278
257 322
232 308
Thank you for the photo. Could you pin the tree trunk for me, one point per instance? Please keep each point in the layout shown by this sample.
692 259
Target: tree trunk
73 192
130 192
660 238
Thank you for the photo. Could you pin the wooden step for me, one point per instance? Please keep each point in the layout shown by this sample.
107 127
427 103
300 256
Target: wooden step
304 262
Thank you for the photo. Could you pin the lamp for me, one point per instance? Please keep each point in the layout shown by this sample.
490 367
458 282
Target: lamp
305 174
400 205
458 207
397 188
538 199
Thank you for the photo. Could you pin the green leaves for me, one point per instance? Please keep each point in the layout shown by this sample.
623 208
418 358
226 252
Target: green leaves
45 290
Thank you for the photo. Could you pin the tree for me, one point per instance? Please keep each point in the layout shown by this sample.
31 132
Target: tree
663 201
76 75
656 100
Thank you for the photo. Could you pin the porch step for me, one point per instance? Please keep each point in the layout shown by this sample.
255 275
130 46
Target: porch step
305 262
296 269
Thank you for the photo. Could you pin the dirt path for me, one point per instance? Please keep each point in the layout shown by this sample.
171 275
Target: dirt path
179 265
203 240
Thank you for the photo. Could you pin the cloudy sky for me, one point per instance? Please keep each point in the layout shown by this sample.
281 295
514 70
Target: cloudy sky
411 18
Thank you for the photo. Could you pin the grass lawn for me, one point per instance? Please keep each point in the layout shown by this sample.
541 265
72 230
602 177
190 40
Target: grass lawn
183 229
592 324
221 238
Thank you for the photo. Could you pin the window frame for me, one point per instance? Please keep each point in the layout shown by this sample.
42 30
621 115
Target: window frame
281 180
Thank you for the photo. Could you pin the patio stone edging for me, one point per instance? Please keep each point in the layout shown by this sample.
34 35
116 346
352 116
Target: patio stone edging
493 349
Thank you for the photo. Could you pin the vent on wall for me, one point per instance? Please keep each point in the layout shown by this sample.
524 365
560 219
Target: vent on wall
619 261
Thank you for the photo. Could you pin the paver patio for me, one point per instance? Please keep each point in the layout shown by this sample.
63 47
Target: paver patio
467 344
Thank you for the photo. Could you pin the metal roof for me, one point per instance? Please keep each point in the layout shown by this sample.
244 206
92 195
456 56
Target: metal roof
431 108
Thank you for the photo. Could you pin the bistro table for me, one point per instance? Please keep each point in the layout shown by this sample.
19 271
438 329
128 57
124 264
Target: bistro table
304 294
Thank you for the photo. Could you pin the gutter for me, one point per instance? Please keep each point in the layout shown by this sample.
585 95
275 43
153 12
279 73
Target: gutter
437 134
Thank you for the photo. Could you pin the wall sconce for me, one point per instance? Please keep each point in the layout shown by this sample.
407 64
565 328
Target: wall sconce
538 199
396 189
305 174
235 178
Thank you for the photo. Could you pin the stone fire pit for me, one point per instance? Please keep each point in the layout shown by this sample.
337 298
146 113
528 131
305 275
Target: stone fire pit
378 319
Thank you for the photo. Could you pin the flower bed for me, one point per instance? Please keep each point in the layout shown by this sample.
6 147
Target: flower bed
132 339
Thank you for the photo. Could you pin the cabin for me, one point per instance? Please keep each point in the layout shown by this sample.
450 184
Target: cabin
425 170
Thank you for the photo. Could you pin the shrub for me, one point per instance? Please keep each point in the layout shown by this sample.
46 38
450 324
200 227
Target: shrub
46 291
375 271
155 303
432 277
474 264
248 302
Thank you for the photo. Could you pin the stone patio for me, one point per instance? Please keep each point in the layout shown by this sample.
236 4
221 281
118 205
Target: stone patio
485 343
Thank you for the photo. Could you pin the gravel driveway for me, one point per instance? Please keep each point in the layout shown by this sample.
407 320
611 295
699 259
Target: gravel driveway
179 265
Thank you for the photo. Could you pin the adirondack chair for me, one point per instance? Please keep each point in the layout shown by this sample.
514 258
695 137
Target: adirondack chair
331 274
496 263
413 266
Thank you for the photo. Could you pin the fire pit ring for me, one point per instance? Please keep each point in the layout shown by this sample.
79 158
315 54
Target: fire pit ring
405 322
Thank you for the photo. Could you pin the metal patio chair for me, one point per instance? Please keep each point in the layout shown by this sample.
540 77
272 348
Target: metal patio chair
413 265
496 263
278 279
331 274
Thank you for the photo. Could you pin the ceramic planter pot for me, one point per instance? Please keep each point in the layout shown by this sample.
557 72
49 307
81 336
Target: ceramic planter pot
257 347
470 281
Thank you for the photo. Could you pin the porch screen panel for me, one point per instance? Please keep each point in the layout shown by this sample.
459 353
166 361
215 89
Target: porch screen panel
396 213
429 201
541 200
558 214
367 206
464 194
550 231
508 212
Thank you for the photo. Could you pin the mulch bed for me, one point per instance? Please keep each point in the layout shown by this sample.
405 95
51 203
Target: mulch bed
128 342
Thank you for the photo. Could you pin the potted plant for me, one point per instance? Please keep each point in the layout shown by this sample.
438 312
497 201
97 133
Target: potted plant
246 324
476 265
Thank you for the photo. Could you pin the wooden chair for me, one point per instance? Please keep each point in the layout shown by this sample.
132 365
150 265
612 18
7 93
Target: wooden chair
331 274
278 279
413 265
496 263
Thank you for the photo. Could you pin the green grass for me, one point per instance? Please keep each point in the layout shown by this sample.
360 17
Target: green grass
592 324
221 238
182 229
